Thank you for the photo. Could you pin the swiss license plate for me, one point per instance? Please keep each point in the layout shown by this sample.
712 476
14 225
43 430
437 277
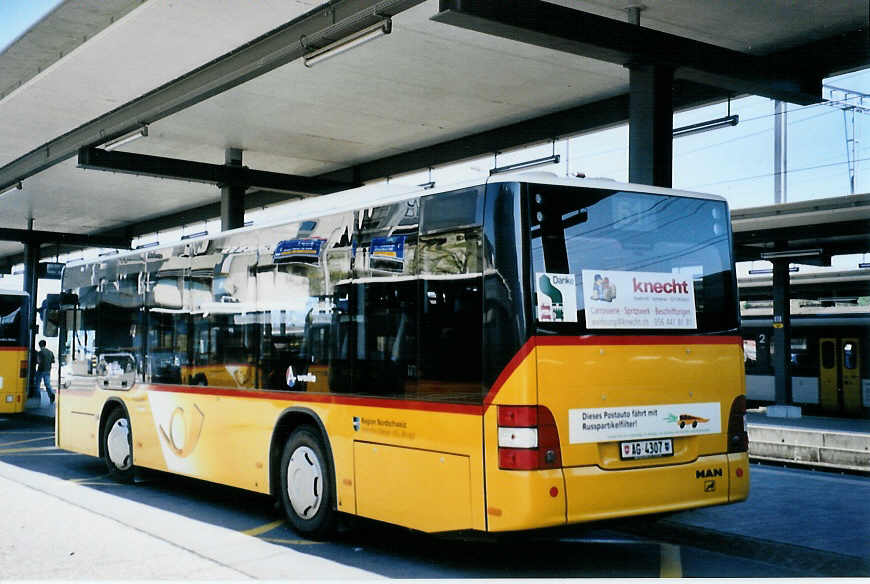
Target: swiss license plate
646 448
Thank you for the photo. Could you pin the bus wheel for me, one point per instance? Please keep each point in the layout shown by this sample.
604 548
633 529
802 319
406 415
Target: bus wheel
118 446
307 487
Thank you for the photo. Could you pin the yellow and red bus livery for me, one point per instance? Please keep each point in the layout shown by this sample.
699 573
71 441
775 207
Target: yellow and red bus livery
492 357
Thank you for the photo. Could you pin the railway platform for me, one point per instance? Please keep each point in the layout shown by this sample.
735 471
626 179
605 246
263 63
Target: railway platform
819 442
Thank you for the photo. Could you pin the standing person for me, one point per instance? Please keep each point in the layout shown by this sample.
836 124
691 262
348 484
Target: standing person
44 360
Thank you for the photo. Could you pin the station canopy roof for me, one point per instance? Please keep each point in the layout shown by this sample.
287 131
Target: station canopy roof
452 80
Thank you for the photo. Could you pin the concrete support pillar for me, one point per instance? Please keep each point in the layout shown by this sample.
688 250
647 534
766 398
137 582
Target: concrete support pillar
781 333
650 125
232 196
31 265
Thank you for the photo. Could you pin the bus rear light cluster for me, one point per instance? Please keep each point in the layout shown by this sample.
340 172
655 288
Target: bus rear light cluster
738 439
23 370
527 438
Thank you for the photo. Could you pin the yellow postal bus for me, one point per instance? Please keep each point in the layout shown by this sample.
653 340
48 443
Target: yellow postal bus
13 351
503 356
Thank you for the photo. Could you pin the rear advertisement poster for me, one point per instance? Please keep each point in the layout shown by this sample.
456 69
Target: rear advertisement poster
638 300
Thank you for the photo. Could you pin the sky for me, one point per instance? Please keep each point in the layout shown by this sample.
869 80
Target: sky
735 162
16 16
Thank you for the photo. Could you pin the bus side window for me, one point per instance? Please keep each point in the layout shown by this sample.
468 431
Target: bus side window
220 293
381 334
119 339
167 348
300 269
451 296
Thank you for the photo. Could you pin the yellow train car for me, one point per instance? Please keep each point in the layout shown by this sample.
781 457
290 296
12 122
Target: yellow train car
532 352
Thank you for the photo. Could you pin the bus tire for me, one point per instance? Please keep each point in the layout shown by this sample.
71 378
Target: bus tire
118 446
307 486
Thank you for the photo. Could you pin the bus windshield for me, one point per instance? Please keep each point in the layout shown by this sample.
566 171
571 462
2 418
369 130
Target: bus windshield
611 261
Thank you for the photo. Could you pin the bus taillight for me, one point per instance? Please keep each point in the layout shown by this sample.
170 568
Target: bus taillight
738 439
22 372
527 438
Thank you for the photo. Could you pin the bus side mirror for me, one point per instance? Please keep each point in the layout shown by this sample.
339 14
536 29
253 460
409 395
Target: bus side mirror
51 312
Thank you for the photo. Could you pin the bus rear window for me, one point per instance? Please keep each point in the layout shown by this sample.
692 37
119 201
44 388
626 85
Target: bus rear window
614 261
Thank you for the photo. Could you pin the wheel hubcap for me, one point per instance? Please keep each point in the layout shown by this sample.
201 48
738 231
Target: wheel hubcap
118 444
305 482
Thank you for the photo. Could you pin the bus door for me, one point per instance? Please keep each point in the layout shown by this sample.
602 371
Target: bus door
829 367
840 374
851 375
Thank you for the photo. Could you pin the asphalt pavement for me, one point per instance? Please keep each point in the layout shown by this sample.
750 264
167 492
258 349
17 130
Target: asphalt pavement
57 529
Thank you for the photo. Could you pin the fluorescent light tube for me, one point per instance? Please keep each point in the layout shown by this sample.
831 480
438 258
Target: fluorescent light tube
349 42
706 126
554 159
126 138
797 253
12 188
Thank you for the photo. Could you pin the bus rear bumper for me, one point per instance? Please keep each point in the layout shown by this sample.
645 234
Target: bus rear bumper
594 494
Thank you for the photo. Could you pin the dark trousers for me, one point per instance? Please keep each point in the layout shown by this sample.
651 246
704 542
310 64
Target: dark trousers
44 377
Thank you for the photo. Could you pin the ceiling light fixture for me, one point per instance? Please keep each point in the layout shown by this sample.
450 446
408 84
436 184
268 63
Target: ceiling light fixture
797 253
706 126
349 42
126 138
11 188
194 235
554 159
770 270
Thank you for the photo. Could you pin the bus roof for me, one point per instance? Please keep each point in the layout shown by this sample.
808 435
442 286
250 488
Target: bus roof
383 194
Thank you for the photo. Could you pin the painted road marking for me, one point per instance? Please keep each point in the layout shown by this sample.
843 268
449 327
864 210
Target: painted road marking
4 451
88 479
26 441
255 531
291 541
671 562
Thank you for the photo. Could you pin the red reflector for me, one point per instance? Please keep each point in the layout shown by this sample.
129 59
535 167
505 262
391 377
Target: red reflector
518 458
550 452
738 439
739 473
517 416
554 492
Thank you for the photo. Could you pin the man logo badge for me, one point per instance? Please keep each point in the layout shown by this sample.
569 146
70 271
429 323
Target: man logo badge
356 423
709 486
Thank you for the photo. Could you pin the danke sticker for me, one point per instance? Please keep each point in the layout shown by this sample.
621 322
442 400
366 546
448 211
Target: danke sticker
557 297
